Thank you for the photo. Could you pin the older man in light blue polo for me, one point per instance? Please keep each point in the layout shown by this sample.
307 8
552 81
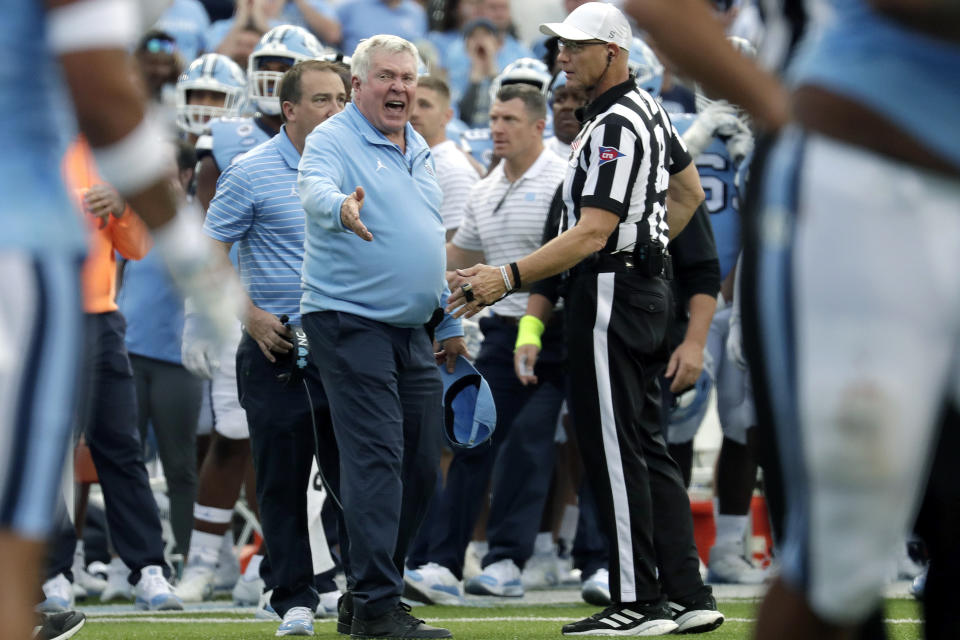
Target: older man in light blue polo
373 286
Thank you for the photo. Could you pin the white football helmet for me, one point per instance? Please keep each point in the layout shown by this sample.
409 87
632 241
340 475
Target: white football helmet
287 44
209 72
523 71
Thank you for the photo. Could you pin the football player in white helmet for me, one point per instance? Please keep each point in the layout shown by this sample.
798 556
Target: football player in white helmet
213 86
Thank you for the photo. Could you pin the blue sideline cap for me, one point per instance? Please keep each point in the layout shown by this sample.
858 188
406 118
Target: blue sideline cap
469 414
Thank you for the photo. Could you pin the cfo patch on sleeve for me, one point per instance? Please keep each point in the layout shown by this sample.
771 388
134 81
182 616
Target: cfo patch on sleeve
609 154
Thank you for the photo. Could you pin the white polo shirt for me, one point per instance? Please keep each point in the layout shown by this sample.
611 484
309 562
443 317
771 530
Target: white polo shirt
505 221
455 175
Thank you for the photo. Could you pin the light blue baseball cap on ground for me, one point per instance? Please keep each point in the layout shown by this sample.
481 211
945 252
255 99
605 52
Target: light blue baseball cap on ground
469 413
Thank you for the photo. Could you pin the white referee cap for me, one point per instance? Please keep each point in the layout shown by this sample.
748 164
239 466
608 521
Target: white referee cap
592 21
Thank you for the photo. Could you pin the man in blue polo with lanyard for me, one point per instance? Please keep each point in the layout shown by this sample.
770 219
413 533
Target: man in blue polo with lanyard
373 277
257 205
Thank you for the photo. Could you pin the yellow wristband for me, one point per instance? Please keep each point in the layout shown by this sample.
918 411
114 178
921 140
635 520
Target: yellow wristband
529 331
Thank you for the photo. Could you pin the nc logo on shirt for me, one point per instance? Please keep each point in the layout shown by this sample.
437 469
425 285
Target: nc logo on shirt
609 154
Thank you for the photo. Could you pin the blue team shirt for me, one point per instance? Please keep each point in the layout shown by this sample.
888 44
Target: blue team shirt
232 137
457 63
257 206
718 176
398 278
901 74
35 212
187 21
364 18
153 308
291 14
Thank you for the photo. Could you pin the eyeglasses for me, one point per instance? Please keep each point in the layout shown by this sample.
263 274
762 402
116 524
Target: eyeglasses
159 45
576 46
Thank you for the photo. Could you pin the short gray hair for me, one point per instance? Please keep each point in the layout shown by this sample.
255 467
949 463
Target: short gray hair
360 60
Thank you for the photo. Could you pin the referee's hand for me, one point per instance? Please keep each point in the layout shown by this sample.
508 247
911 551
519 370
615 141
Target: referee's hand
685 365
350 214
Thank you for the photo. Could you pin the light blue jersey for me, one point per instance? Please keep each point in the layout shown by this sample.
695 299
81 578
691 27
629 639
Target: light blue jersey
35 212
907 77
479 144
365 18
258 208
232 137
187 21
718 178
398 277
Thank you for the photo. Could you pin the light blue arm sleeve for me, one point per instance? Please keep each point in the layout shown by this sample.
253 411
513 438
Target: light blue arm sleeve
318 180
449 327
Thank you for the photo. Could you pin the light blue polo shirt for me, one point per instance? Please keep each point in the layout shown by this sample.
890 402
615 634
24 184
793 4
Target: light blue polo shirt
258 207
398 278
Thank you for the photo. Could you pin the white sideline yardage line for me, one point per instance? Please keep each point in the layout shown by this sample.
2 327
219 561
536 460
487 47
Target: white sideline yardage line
171 619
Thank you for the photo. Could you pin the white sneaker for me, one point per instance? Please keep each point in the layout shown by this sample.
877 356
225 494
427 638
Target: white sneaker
327 606
502 578
196 585
154 593
91 585
596 589
541 571
727 565
432 584
297 622
58 595
228 567
264 608
473 559
118 588
247 591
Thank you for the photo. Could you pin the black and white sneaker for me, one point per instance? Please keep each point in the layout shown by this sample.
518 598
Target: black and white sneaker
58 626
697 614
625 620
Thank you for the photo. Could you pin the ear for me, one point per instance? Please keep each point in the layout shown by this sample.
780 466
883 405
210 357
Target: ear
287 107
448 115
354 83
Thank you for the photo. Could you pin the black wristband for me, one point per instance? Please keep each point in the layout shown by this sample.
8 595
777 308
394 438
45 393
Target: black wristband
516 275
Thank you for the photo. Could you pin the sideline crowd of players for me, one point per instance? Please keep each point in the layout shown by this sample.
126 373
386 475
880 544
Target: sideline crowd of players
223 103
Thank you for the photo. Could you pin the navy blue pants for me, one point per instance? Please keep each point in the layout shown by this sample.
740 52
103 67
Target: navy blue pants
109 424
281 420
385 399
520 458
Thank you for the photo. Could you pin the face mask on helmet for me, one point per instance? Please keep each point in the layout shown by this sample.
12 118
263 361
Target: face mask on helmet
278 50
215 76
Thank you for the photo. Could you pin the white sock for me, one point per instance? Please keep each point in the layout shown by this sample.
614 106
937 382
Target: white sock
226 548
253 567
481 547
544 543
204 547
730 530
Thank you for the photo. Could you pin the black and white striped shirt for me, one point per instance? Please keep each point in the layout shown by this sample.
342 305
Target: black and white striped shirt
621 162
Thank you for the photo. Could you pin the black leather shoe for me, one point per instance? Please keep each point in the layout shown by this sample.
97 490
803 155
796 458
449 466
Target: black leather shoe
395 623
345 613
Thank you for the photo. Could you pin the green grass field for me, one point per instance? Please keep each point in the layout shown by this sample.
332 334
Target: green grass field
467 623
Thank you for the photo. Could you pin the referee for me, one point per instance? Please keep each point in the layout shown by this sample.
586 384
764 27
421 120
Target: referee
630 186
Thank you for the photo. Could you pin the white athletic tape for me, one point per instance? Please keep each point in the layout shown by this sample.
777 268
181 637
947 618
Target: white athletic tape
92 24
138 160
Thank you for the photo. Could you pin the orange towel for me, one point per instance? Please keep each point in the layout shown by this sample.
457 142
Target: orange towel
127 234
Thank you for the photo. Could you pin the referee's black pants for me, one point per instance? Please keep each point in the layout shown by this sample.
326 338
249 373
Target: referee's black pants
616 338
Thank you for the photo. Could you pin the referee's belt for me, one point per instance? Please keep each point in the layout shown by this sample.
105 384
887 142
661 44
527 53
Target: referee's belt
649 260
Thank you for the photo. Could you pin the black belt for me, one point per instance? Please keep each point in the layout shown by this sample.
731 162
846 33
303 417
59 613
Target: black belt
650 260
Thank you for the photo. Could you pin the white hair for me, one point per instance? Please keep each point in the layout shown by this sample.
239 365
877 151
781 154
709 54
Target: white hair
360 60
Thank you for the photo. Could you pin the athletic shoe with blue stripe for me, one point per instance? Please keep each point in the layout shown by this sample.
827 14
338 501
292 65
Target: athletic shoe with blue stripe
502 578
298 621
154 593
432 584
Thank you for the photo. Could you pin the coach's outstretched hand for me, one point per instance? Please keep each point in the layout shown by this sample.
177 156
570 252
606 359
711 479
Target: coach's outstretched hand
350 214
